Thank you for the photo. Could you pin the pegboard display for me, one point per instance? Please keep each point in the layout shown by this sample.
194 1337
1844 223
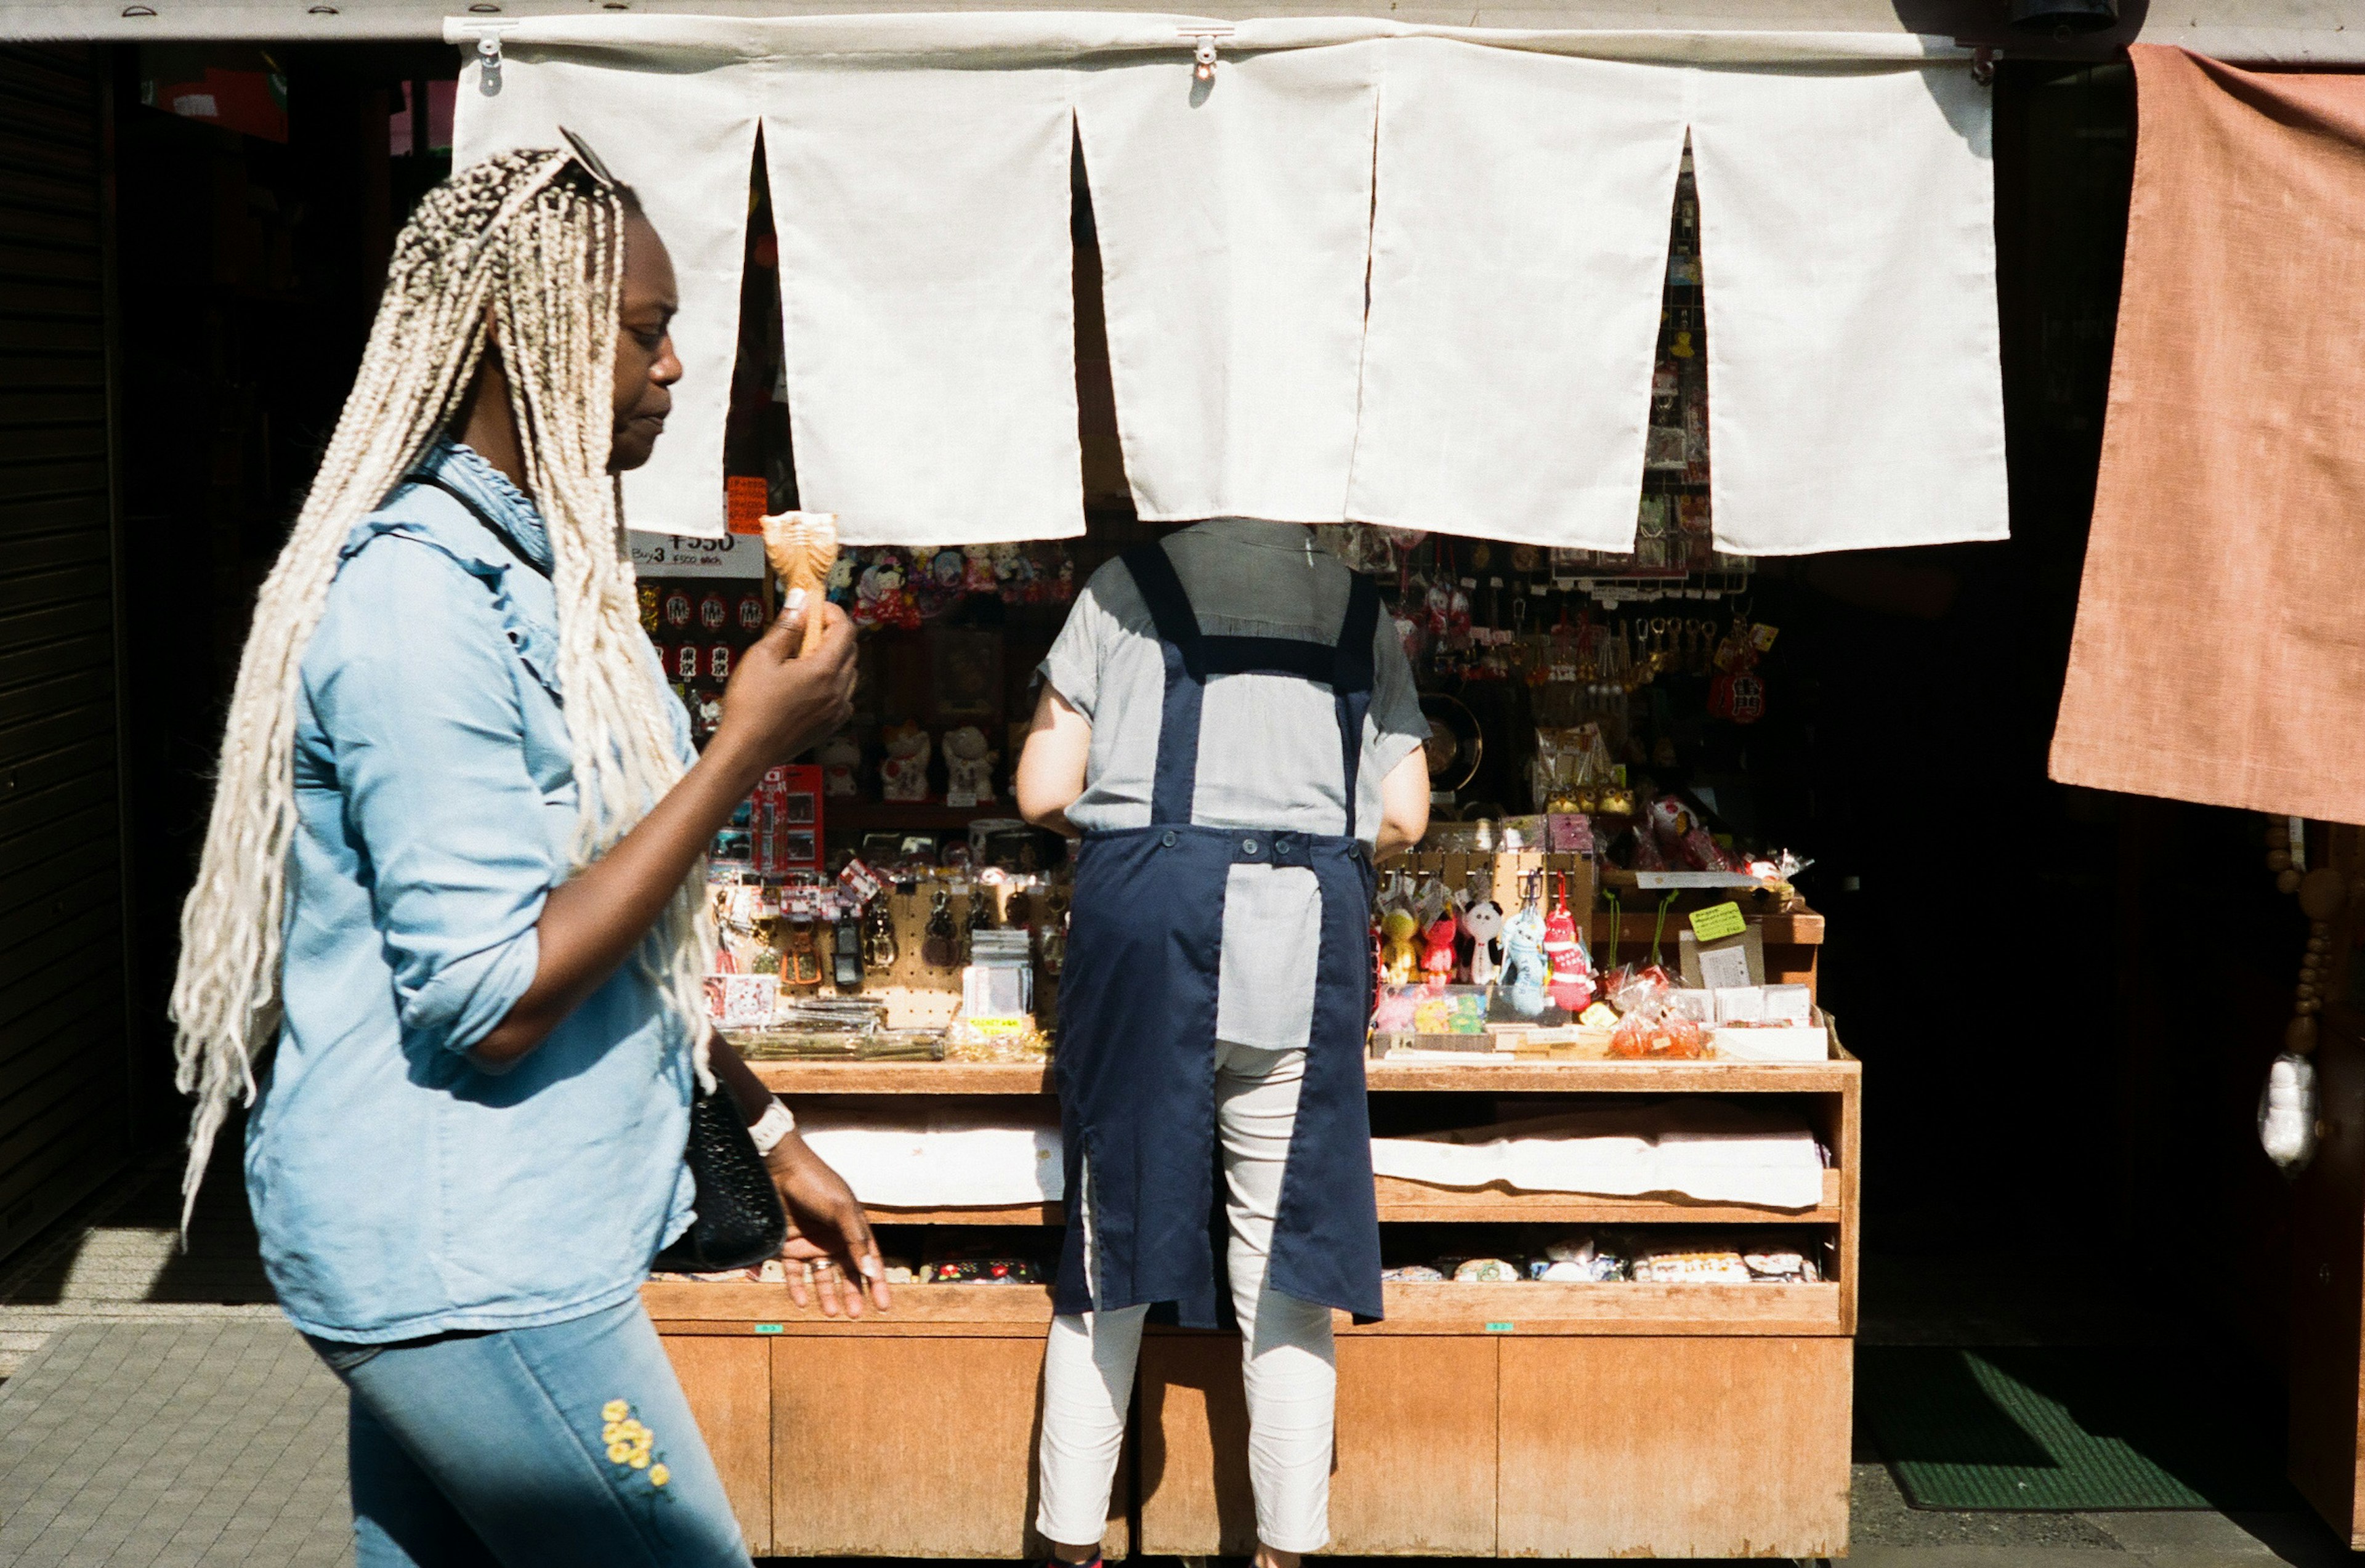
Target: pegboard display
921 995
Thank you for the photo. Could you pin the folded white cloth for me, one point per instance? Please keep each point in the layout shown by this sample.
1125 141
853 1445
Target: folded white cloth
943 1157
1711 1150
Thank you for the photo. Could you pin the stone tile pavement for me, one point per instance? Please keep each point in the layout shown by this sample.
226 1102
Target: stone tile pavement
189 1444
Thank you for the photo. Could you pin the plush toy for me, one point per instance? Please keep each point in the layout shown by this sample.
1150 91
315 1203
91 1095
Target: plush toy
903 775
1571 985
977 571
840 758
1396 928
1483 921
883 596
968 763
1523 961
1394 1014
1436 953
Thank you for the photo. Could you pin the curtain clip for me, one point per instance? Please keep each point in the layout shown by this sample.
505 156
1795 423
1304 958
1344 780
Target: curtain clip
1204 51
1983 65
488 53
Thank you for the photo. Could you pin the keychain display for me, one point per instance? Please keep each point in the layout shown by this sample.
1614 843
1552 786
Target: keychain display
936 944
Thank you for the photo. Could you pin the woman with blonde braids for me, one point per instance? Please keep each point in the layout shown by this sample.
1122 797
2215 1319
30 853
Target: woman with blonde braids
450 907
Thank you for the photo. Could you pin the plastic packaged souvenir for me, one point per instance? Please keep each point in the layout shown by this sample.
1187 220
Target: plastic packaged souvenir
1412 1273
1486 1272
984 1271
1780 1266
1577 1260
1684 839
1651 1025
1676 1264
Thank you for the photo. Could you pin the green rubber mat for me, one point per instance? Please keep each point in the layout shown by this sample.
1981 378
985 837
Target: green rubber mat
2077 1430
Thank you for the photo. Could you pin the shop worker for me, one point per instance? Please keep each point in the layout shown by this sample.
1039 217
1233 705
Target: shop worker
1230 724
448 913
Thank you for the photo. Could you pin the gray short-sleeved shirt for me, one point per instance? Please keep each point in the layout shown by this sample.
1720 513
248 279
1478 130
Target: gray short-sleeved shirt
1268 745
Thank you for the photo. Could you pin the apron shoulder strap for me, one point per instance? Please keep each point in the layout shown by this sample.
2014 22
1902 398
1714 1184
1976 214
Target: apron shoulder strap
1170 606
1351 684
1175 786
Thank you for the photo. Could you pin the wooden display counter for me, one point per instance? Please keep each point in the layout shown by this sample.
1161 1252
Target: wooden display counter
1513 1420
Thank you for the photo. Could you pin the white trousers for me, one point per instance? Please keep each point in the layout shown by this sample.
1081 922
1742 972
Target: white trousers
1287 1365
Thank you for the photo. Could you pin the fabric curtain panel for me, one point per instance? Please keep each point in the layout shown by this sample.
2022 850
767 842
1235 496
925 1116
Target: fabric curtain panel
1847 252
1363 271
926 285
684 139
1234 223
1519 244
2220 652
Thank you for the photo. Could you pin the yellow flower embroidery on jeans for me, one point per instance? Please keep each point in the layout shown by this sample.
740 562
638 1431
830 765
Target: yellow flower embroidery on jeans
632 1445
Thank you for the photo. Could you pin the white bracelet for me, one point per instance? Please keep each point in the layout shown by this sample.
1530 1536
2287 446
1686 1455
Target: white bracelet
777 1123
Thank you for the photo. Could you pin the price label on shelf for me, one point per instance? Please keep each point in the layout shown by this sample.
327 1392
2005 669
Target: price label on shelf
1718 922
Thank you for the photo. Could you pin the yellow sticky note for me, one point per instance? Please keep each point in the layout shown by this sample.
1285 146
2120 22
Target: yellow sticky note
1718 922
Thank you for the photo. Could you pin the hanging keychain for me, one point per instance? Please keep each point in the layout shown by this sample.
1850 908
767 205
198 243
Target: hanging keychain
980 917
878 948
1483 921
800 964
847 952
937 942
1054 934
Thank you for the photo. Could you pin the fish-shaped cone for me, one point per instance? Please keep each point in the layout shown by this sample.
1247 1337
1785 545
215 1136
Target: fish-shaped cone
803 548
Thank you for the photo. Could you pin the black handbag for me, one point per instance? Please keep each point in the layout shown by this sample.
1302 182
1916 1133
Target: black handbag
740 1221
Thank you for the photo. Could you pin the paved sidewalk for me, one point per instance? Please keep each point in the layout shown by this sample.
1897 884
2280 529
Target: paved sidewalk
174 1445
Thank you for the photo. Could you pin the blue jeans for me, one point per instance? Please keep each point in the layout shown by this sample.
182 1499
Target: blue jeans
562 1445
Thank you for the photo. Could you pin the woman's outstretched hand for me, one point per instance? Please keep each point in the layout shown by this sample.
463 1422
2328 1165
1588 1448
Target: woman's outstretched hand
778 703
830 1246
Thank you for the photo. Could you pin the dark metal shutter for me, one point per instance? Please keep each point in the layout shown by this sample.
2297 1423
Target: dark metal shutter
64 1047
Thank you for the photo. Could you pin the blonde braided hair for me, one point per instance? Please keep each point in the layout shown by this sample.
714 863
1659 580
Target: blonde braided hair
535 242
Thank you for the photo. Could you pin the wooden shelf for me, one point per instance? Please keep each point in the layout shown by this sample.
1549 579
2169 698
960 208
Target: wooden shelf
904 1076
1012 1214
1520 1075
1444 1307
964 1311
1413 1308
1532 1077
1403 1201
1415 1202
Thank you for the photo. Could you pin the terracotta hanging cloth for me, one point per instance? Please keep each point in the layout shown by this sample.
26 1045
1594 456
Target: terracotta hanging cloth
2220 649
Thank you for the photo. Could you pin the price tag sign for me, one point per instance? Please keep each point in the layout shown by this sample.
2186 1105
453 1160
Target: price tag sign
1718 922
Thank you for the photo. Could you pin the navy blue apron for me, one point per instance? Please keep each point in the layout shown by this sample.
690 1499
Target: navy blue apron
1135 1065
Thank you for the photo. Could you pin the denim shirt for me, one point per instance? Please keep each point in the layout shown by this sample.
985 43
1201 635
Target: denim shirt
400 1191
